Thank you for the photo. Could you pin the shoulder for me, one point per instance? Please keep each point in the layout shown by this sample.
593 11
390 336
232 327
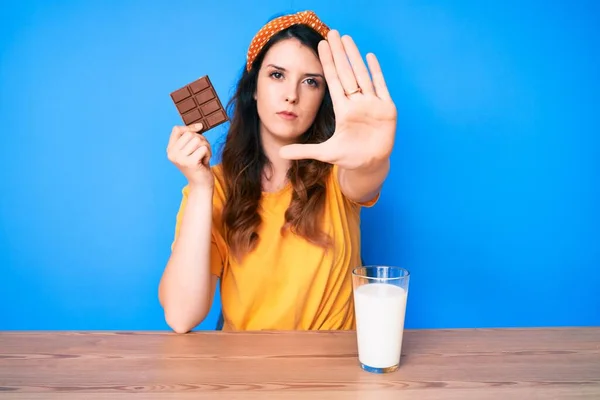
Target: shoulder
217 170
220 184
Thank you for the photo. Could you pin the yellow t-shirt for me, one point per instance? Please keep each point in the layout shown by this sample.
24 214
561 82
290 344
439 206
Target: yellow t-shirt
287 283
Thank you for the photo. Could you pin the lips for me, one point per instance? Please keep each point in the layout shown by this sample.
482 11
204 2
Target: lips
287 115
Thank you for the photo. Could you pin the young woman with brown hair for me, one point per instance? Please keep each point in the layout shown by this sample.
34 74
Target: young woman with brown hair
278 219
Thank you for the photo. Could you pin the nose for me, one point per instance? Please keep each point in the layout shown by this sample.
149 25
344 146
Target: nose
291 94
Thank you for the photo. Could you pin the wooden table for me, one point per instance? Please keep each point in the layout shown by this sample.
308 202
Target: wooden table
436 364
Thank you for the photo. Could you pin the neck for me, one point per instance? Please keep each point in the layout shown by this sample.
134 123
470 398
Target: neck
275 176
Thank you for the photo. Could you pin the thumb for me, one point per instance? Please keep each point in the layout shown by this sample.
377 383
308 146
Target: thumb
306 152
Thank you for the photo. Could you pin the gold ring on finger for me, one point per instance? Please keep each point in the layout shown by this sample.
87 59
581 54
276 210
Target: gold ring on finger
357 90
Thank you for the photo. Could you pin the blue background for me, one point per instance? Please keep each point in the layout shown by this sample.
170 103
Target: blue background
492 203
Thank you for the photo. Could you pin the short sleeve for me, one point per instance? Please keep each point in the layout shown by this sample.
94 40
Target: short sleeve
366 204
218 248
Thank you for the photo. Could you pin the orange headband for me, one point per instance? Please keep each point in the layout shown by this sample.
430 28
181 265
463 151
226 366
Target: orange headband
278 24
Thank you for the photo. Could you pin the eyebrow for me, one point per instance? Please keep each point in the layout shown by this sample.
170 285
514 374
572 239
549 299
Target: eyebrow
284 70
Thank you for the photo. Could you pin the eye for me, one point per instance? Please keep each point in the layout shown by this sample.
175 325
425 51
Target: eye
312 82
276 74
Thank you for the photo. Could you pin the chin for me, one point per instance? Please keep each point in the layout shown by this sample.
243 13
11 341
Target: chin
286 134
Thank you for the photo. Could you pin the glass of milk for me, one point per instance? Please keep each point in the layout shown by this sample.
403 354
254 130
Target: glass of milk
380 295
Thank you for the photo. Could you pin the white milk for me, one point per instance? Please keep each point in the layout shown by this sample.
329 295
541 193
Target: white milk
380 309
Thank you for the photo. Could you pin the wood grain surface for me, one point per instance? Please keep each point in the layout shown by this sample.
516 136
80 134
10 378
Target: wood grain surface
559 363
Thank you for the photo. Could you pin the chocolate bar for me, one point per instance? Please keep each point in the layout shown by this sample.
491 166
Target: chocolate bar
198 102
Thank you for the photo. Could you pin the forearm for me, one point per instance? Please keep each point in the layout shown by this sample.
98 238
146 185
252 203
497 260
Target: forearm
363 184
185 288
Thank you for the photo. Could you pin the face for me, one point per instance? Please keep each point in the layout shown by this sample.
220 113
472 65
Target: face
290 89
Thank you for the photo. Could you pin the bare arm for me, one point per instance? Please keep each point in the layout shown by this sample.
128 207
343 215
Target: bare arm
363 184
187 287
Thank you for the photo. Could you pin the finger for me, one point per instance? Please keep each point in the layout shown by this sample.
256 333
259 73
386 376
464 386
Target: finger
192 145
208 149
204 143
333 81
178 131
201 155
340 59
359 67
184 140
199 138
378 80
321 152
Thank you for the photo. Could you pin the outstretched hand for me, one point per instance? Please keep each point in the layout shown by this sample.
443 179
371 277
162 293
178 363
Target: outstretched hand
365 114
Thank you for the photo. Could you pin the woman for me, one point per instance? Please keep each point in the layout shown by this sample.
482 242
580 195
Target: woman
278 220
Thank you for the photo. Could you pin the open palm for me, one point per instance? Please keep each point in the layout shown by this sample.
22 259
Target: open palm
364 111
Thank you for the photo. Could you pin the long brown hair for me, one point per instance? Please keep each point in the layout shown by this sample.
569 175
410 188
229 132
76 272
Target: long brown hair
244 160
